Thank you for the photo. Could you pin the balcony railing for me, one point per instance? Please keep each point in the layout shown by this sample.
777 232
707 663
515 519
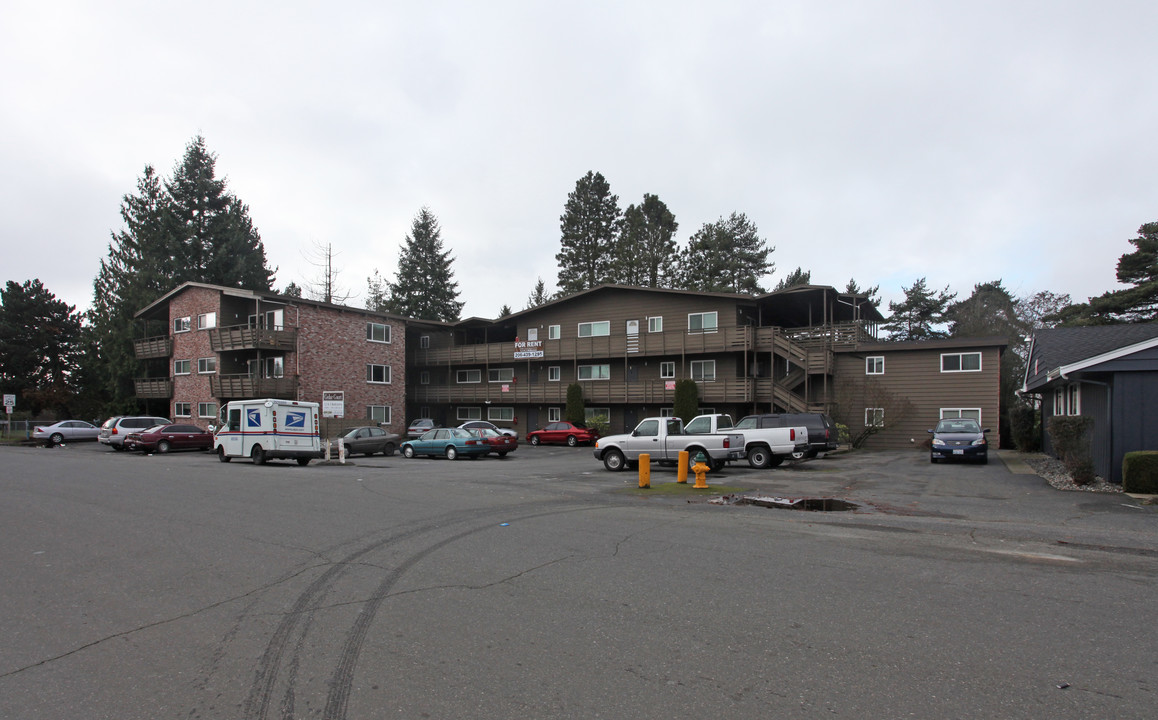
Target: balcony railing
243 337
653 392
247 386
153 387
154 347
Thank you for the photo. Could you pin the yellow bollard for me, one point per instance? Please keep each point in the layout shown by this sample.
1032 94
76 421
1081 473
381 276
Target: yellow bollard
682 472
701 471
645 470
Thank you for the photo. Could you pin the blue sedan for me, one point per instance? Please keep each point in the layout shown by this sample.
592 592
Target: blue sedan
446 442
959 439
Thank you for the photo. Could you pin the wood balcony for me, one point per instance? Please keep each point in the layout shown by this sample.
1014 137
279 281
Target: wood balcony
247 386
154 347
243 337
153 387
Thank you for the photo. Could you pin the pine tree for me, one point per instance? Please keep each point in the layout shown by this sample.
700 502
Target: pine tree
377 293
852 288
538 296
726 256
40 343
424 286
1138 303
143 263
799 276
590 227
211 228
920 314
646 252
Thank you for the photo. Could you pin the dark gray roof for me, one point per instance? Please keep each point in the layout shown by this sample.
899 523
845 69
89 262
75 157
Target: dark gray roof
1057 347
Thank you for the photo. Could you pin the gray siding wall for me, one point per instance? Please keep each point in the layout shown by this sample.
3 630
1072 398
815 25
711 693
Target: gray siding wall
1135 415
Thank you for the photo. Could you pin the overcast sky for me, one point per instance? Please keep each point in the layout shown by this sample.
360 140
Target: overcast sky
882 141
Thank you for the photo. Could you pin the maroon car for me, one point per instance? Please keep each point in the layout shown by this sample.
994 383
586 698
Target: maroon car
500 443
163 438
562 432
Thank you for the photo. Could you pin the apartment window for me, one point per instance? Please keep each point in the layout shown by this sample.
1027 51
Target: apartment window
424 342
594 372
501 414
378 413
469 413
377 332
554 332
182 367
667 412
424 378
592 414
667 369
956 413
469 376
181 325
206 321
874 365
702 322
961 362
182 409
532 334
655 324
207 410
503 375
704 370
275 367
554 414
554 373
1074 399
874 417
206 366
595 329
378 374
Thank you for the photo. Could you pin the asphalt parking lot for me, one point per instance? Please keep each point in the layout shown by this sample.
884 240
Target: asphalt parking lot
542 585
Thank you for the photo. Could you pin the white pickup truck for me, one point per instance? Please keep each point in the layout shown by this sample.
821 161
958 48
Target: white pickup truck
663 438
765 447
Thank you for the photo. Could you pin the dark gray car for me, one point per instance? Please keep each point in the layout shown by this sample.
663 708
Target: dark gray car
822 433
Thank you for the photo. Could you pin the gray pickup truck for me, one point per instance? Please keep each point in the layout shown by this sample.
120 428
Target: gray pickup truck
663 438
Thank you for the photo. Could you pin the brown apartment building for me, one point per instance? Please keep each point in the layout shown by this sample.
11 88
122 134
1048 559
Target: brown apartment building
805 349
204 345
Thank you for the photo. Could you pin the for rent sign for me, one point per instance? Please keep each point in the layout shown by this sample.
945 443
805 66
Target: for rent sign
525 349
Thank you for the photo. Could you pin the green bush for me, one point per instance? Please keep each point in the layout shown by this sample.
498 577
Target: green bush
687 400
576 409
1070 435
843 436
600 424
1140 472
1024 428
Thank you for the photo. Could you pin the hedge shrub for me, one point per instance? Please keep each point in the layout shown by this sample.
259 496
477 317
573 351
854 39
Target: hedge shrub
1024 428
1140 472
1070 435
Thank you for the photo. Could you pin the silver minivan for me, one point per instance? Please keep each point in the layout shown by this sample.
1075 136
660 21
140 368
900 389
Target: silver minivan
114 430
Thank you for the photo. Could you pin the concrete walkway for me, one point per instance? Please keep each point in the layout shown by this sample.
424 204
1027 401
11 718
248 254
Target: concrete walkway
1014 463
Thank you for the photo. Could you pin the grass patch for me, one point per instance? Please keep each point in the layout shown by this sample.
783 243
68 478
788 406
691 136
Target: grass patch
688 489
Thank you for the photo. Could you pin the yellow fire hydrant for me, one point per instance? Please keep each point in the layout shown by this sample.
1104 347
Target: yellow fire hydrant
701 470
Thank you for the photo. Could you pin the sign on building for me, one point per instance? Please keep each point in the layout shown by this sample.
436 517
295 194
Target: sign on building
333 403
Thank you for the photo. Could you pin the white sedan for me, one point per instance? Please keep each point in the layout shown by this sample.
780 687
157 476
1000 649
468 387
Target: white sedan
65 431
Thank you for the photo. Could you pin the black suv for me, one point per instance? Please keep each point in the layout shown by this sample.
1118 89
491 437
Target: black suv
821 429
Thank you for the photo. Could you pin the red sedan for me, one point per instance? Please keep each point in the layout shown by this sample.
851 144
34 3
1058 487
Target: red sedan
163 438
500 443
562 432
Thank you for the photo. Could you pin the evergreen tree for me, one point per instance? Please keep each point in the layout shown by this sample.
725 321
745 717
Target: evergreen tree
424 286
377 293
143 263
726 256
575 410
40 344
646 252
505 310
1041 309
920 314
1138 303
590 227
686 400
871 292
211 229
799 276
292 290
538 296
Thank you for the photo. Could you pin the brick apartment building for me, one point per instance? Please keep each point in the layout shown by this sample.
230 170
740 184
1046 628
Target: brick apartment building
204 345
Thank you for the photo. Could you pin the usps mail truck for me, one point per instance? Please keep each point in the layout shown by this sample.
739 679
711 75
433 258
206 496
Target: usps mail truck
269 428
